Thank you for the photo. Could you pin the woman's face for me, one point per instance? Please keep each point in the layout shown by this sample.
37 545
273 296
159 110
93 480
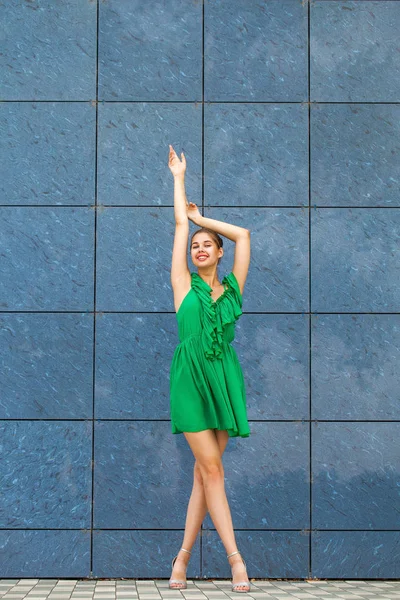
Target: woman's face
204 250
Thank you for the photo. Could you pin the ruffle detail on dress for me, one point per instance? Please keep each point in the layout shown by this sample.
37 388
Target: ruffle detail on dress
217 313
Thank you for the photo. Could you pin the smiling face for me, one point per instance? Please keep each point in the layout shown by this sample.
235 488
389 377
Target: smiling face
204 250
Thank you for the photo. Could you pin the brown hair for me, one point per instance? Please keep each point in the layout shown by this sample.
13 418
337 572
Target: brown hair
215 236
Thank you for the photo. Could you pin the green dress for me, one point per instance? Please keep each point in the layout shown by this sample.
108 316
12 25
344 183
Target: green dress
207 388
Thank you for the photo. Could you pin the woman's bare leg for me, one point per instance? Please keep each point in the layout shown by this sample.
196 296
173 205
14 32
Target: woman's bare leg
197 507
204 446
196 513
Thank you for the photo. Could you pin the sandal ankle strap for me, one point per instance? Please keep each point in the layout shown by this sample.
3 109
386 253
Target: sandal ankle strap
175 557
237 552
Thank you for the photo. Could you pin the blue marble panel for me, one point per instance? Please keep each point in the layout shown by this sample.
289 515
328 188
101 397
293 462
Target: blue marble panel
278 273
33 554
267 477
354 264
150 50
47 366
354 154
47 153
355 477
45 474
268 554
133 259
255 51
273 351
143 553
46 258
355 367
133 150
133 356
143 475
354 51
256 154
356 554
49 50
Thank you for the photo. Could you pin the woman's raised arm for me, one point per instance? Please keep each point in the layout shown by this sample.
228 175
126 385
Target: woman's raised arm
180 274
178 169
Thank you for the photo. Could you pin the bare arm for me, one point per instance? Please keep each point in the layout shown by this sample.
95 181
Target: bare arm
180 200
232 232
241 237
180 274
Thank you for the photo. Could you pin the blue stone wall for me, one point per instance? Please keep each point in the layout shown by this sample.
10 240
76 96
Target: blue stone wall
288 114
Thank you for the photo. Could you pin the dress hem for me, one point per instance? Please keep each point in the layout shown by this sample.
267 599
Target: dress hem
233 434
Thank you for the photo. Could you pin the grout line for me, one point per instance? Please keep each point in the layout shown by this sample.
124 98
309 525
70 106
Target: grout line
309 293
133 419
202 110
94 284
152 206
202 212
209 101
275 529
168 312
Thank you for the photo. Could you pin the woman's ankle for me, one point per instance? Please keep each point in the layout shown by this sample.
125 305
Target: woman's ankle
236 558
185 556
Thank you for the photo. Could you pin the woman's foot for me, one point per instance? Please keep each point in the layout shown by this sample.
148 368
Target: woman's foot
239 573
179 569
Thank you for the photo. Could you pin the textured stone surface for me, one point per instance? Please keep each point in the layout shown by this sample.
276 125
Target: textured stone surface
46 258
48 50
355 470
47 153
354 51
257 154
150 50
46 474
131 164
355 265
355 154
255 51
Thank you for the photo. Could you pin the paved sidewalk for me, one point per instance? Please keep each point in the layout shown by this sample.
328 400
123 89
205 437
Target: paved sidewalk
213 589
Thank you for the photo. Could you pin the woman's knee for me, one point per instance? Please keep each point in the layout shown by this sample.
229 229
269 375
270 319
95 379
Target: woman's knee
207 452
211 469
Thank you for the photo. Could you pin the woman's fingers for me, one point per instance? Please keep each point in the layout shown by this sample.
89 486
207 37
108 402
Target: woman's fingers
173 155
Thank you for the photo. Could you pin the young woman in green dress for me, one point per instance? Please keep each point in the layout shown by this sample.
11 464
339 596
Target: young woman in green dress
220 307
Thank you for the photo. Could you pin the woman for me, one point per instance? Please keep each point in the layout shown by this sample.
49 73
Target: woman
207 390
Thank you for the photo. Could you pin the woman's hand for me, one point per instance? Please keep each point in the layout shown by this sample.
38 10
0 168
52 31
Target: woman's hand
177 167
193 212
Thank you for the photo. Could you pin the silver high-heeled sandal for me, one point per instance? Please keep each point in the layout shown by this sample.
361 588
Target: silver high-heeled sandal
182 584
239 583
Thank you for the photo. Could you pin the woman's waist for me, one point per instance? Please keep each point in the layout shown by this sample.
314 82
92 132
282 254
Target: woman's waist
194 335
